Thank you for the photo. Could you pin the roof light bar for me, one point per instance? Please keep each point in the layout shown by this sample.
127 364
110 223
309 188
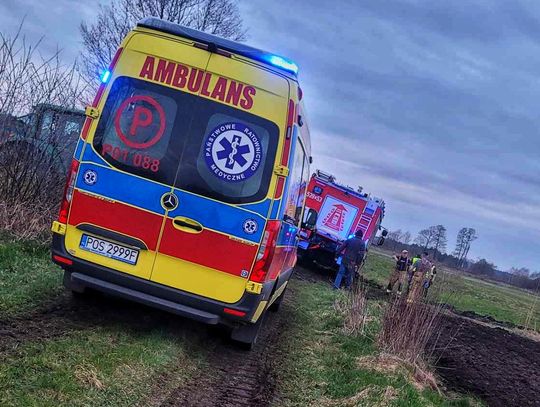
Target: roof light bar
283 63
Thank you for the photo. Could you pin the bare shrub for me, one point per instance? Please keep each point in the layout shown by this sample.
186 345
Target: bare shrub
38 130
406 329
23 222
354 308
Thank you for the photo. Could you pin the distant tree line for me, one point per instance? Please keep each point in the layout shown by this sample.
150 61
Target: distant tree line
434 240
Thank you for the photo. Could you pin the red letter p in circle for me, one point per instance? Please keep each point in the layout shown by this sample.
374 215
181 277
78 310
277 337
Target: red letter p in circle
141 118
138 120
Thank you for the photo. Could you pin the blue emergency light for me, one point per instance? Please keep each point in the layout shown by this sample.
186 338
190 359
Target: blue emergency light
283 63
105 77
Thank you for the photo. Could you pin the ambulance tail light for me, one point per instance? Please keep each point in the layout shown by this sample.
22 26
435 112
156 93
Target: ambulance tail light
266 252
68 192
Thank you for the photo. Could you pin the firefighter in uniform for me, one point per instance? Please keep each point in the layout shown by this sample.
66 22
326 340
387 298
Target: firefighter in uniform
402 265
420 269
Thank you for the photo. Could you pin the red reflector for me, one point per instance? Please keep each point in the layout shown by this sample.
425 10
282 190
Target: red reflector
62 260
234 312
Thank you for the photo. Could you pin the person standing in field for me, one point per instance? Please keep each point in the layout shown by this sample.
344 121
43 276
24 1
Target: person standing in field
420 269
353 251
428 280
402 264
410 272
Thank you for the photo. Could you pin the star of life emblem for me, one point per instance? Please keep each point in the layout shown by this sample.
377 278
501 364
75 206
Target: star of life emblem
233 152
250 226
90 177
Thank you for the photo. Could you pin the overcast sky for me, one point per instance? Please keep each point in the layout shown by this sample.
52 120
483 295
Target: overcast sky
431 105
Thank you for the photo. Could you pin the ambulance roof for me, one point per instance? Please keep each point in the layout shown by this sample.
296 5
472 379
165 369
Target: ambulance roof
267 58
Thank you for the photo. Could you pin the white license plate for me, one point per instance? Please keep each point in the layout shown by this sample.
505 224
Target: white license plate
109 249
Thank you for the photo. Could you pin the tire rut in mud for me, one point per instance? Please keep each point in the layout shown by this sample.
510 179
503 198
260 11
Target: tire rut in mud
67 314
233 377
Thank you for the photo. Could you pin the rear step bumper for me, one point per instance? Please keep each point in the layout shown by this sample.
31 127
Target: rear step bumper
82 280
83 274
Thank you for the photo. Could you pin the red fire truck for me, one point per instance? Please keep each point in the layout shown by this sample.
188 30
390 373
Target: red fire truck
333 213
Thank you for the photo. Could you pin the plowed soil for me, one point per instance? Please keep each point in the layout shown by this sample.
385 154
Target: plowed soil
495 364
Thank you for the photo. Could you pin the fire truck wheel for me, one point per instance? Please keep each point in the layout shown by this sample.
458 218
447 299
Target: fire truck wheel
246 335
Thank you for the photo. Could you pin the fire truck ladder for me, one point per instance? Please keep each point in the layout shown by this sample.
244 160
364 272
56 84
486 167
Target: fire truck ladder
365 221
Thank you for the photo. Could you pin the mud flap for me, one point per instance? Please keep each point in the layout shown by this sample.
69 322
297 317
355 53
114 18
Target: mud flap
246 335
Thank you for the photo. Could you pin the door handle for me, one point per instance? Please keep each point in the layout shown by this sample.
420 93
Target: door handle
187 225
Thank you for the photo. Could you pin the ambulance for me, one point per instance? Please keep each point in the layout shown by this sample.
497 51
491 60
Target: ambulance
187 185
333 213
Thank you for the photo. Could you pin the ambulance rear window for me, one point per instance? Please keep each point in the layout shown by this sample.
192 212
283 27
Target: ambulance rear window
229 155
135 130
181 139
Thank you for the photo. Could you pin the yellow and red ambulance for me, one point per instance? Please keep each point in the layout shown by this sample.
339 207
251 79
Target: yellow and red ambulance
187 185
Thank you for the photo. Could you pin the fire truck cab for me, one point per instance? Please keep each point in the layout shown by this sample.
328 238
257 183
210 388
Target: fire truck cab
334 212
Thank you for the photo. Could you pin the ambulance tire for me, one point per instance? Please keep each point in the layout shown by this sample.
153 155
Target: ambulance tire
245 336
77 294
277 303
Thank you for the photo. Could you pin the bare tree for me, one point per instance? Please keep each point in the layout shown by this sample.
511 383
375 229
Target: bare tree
464 239
394 237
102 37
406 238
439 239
425 238
520 271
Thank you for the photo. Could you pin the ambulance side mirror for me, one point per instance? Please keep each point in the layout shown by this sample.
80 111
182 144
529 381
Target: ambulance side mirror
384 233
380 241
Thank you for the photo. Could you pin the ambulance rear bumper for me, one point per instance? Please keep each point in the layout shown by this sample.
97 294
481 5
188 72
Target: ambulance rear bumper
78 280
83 274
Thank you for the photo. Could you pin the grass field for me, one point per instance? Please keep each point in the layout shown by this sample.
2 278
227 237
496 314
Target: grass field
118 363
27 277
328 367
504 303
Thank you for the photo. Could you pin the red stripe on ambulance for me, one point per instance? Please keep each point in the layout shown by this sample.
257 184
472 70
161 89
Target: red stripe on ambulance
208 248
116 216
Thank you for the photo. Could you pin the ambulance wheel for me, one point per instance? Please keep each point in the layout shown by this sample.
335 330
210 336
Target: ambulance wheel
245 336
77 293
277 303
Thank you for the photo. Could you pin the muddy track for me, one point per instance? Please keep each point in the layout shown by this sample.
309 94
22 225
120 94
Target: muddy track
230 376
233 377
67 314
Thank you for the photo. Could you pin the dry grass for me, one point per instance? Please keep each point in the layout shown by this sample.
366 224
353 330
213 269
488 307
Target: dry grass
87 375
354 308
27 221
407 327
420 377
